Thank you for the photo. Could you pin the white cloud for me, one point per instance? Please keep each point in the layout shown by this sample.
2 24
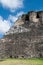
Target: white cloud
14 18
12 4
20 13
4 25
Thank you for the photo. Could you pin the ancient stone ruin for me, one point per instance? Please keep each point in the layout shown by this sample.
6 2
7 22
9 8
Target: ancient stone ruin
25 37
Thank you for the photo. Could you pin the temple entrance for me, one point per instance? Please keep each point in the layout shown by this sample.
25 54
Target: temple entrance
10 56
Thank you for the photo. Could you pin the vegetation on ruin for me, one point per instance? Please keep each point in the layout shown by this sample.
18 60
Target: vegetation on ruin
32 61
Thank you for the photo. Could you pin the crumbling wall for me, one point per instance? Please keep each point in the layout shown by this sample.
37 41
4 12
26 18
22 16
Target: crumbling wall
2 50
25 44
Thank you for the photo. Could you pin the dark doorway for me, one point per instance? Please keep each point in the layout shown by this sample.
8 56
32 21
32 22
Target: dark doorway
10 56
15 56
40 55
38 16
22 56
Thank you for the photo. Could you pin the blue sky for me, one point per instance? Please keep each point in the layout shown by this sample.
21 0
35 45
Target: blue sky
10 10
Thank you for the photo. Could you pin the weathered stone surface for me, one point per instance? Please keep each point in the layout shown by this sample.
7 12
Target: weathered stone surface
25 38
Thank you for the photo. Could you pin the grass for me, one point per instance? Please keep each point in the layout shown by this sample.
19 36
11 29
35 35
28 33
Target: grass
32 61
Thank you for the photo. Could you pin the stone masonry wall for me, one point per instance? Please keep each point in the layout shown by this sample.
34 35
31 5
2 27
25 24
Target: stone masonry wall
25 38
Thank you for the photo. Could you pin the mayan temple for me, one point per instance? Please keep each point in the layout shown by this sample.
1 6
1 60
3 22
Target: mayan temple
25 38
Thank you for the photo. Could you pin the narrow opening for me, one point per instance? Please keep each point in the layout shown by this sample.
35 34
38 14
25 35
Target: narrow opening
22 56
37 16
27 18
15 56
40 55
11 56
